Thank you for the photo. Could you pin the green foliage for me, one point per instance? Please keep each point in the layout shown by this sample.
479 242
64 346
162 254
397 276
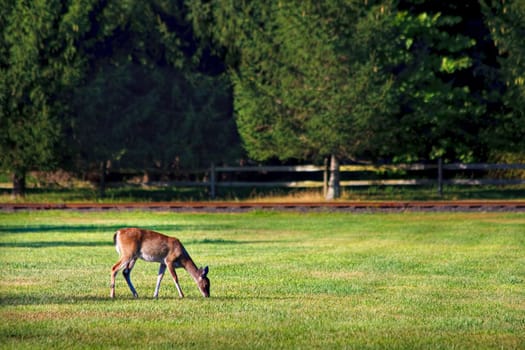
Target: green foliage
516 157
38 60
279 280
440 116
506 21
76 69
153 117
27 76
398 80
354 79
311 81
147 105
146 32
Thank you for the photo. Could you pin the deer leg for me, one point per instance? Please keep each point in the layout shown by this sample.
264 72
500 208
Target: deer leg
127 273
114 271
175 279
162 269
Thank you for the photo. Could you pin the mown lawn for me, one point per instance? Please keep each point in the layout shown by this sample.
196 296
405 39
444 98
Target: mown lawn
129 193
279 281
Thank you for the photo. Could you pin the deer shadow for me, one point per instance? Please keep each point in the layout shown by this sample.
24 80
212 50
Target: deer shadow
53 244
25 299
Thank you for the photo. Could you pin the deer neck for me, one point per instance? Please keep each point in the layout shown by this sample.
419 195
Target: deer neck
192 269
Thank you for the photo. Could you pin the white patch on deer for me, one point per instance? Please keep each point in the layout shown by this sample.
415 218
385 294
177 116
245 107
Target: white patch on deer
116 242
150 258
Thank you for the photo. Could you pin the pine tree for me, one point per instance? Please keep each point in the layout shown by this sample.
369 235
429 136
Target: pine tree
150 100
309 81
38 60
506 20
441 114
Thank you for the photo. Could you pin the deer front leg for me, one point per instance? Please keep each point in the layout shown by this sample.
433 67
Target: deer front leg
127 273
162 269
175 279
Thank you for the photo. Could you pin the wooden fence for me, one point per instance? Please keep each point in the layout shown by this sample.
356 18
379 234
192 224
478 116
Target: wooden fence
433 175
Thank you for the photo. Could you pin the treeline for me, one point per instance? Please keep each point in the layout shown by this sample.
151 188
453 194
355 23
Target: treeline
173 84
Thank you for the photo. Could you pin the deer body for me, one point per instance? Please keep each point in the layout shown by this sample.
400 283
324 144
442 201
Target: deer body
151 246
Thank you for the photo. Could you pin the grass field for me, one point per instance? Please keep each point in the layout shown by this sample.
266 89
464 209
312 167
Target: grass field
279 281
156 194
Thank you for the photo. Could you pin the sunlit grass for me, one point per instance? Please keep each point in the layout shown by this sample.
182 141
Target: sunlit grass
279 280
136 193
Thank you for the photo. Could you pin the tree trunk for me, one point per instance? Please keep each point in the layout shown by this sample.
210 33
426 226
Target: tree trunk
334 188
19 184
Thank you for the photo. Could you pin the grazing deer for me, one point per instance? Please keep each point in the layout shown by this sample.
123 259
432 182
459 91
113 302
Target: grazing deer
134 243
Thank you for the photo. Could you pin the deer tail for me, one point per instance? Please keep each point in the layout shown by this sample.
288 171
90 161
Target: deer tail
115 241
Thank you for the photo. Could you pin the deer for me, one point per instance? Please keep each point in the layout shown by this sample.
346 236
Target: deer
151 246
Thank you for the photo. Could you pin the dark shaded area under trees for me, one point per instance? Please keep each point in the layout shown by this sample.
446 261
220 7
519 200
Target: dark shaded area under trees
161 85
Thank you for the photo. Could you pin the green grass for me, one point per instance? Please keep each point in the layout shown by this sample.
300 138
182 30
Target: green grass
157 194
279 281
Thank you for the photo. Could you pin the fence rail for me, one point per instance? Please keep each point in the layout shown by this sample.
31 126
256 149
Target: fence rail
438 180
212 181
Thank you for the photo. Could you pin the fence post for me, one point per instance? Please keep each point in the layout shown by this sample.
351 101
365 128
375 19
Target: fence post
440 176
212 180
334 183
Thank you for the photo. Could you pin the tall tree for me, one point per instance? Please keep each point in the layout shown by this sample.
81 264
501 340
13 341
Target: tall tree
143 117
506 20
443 82
152 100
309 80
37 60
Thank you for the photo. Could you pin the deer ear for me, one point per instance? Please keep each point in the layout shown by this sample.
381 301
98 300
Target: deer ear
204 271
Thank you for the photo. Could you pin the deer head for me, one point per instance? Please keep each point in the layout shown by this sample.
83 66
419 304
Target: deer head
204 282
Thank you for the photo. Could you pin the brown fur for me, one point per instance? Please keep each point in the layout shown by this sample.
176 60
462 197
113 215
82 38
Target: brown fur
135 243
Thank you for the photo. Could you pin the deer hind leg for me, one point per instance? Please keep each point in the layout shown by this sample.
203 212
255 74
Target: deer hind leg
175 279
114 270
162 269
127 265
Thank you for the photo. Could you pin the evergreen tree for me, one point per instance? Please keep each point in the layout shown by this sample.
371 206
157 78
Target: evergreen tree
38 60
443 110
310 79
145 117
506 20
151 100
